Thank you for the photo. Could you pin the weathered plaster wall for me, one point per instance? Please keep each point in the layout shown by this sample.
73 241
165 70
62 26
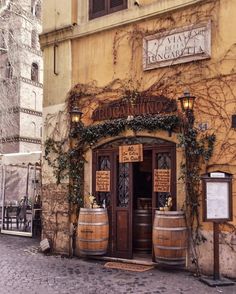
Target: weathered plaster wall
56 14
110 48
116 58
55 197
57 85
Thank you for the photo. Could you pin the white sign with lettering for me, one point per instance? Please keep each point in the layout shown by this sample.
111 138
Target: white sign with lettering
177 46
217 200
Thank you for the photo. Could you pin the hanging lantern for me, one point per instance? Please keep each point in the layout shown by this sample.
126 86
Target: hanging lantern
75 115
187 102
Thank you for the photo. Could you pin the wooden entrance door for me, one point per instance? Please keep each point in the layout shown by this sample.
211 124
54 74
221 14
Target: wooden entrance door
118 201
164 157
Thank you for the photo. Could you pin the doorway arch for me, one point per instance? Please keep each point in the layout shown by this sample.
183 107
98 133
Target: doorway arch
132 188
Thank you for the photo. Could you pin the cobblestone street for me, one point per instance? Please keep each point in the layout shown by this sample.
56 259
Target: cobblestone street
24 270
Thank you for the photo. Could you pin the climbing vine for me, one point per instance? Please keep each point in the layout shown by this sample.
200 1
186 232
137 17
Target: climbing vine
203 78
70 163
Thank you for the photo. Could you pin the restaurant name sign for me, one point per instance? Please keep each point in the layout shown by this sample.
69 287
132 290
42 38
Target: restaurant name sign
177 46
143 105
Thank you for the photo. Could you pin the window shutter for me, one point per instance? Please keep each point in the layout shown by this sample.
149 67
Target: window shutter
97 8
115 5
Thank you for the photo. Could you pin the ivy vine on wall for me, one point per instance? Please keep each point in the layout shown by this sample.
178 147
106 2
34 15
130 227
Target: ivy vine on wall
70 163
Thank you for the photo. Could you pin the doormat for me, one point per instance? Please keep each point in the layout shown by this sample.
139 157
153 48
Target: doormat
128 266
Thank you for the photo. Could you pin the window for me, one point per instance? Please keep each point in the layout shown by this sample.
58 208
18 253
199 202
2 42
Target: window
9 70
10 37
34 72
34 39
2 43
34 100
36 8
99 8
33 129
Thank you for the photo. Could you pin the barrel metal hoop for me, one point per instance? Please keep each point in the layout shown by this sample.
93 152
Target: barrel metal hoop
92 252
92 210
170 258
170 217
169 213
170 229
143 225
92 224
143 240
92 240
170 247
92 213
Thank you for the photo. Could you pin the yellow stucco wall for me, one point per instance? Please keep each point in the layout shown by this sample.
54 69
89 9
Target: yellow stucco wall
57 85
56 14
110 48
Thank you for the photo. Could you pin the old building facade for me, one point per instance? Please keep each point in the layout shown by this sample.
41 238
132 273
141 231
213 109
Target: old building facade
21 76
125 64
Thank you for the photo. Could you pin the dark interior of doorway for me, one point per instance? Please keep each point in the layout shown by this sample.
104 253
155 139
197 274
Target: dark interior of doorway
142 206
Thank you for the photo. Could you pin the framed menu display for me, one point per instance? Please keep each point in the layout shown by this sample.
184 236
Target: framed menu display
217 198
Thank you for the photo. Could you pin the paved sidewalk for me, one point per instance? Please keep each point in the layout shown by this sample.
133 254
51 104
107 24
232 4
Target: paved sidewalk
25 271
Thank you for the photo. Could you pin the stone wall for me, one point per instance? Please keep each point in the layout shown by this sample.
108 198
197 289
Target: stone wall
56 217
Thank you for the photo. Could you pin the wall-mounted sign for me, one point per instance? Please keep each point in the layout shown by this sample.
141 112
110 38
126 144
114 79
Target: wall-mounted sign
177 46
143 105
217 197
217 175
131 153
103 180
161 180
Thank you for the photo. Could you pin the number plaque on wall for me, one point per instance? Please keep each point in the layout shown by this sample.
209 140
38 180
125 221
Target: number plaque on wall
161 180
103 181
131 153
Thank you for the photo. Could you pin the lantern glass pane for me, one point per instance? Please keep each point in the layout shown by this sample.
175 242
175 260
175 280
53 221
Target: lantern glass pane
75 118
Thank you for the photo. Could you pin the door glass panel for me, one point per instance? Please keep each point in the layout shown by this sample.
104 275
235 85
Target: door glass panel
104 163
123 185
163 162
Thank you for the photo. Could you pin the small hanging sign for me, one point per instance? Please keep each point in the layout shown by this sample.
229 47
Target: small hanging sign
103 181
131 153
161 180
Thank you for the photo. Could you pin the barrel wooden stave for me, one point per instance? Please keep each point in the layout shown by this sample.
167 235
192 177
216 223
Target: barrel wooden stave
142 230
170 238
93 231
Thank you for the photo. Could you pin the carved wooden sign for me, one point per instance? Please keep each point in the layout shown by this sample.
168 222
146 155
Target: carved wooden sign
143 105
103 180
162 180
131 153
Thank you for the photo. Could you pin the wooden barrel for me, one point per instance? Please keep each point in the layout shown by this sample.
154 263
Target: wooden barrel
93 231
142 231
170 238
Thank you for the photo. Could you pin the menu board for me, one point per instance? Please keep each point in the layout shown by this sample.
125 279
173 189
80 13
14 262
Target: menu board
103 181
131 153
162 180
217 200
